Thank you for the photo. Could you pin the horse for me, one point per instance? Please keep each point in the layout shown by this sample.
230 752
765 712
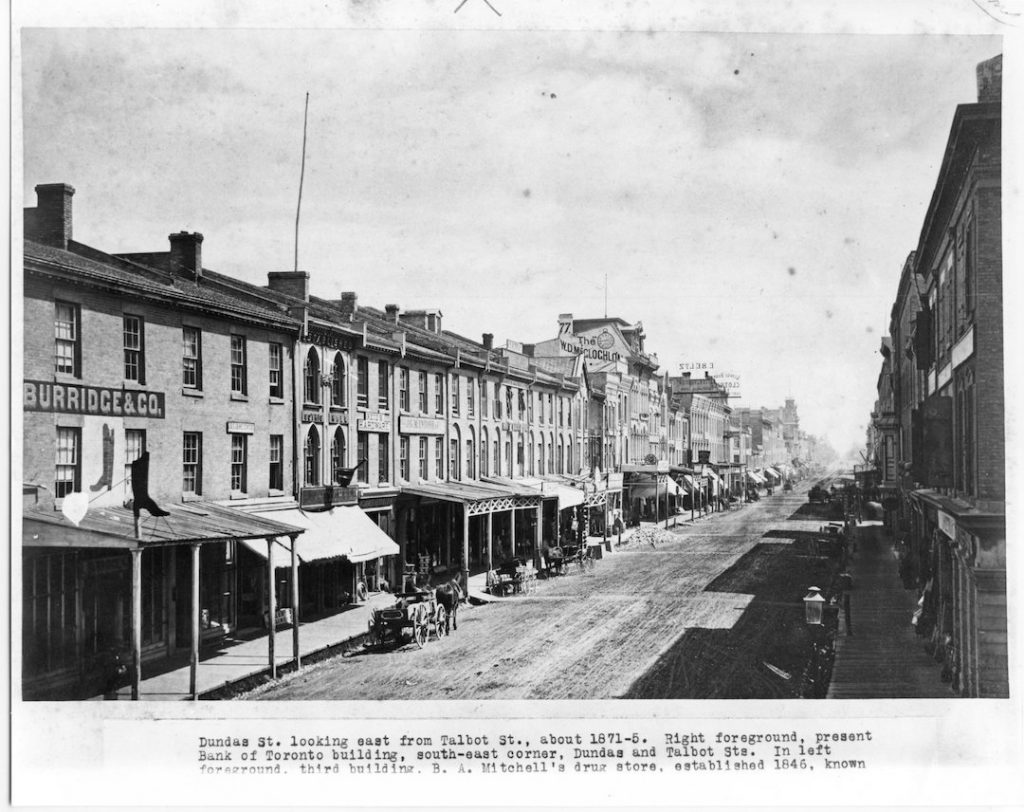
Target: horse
450 595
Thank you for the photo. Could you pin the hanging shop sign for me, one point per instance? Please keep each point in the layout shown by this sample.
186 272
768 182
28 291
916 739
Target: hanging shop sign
69 398
947 524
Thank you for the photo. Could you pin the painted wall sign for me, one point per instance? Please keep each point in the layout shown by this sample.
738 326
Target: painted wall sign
70 398
374 422
238 427
326 496
420 425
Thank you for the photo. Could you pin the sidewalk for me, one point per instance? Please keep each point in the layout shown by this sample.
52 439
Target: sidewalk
884 657
249 658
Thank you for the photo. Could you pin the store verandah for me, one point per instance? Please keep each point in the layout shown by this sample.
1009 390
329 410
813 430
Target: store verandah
105 593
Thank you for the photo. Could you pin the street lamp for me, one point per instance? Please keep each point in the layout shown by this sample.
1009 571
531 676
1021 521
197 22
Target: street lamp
814 606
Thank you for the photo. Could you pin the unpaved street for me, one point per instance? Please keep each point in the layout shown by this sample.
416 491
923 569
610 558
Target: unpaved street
606 633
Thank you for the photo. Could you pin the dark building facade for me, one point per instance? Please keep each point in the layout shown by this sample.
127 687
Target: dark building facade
951 461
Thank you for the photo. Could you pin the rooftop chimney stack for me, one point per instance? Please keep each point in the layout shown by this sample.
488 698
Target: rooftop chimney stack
349 302
392 312
488 341
187 255
290 283
990 80
50 221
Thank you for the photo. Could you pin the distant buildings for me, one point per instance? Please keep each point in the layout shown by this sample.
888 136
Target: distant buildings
937 430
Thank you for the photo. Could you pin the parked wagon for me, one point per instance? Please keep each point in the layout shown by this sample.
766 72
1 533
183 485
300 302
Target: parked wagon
417 613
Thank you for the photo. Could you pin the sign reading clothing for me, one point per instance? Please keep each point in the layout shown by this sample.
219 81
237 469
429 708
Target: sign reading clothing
70 398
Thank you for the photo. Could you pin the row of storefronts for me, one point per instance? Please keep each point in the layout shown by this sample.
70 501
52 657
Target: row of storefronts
302 452
937 431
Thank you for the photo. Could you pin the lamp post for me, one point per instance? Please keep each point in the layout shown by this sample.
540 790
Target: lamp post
814 607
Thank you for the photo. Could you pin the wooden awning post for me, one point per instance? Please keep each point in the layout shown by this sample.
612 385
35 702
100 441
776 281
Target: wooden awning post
512 530
295 604
136 622
193 677
465 546
271 607
538 535
490 540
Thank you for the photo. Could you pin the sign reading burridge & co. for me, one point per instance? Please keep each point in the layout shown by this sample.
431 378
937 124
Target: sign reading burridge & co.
71 398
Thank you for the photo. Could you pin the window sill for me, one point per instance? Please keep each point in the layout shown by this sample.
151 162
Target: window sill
276 401
275 492
191 393
240 397
238 495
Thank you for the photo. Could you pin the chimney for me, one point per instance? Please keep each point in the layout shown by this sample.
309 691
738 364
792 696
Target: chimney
686 375
392 313
187 255
349 302
989 75
488 341
50 221
290 283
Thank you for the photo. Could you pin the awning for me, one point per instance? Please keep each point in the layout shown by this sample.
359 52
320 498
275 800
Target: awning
343 532
282 555
753 476
114 527
461 492
569 497
773 472
711 475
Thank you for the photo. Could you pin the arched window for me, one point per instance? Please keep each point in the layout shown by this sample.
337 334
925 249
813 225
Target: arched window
471 455
338 382
533 459
551 454
312 457
337 455
484 448
311 377
497 452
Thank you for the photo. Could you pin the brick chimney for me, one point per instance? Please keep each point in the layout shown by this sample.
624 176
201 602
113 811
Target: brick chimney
488 341
187 255
290 283
392 313
50 221
349 303
989 75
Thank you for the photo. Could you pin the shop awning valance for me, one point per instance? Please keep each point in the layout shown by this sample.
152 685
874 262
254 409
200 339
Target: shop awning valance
343 532
282 554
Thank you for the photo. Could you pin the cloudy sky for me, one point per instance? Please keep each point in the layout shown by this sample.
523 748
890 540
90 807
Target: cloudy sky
749 197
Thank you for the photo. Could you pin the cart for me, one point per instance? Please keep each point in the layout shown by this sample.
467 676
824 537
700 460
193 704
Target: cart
419 613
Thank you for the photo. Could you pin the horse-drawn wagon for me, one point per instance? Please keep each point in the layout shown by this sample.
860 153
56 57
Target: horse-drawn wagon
420 613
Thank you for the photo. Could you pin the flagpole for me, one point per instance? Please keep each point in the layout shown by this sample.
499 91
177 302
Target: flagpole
302 175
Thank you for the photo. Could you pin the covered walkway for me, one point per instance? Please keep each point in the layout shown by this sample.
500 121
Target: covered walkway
237 660
884 657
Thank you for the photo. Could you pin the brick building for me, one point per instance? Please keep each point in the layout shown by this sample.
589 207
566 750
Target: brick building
952 473
126 356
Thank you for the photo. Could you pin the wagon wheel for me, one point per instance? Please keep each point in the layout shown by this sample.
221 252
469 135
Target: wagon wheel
420 627
441 622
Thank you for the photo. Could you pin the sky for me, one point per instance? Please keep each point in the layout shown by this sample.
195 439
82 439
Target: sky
750 198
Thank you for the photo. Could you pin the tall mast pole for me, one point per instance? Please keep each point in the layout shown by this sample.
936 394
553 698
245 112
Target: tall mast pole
302 175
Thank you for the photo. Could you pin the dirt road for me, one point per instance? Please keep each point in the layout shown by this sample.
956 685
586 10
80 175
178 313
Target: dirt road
600 634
